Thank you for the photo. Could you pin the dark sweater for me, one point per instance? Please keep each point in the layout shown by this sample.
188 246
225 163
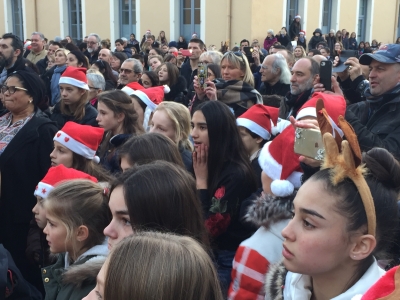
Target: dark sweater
88 119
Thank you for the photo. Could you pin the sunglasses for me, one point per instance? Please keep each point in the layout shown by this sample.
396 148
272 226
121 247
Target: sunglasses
11 89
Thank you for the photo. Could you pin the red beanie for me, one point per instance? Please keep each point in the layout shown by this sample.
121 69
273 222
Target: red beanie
75 76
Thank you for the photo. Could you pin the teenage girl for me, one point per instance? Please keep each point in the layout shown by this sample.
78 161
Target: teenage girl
76 213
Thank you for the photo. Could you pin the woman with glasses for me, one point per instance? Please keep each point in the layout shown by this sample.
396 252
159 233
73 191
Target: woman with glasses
104 68
74 105
235 88
26 141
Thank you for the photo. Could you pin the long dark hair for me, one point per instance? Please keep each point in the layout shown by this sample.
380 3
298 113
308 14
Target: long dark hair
105 69
153 76
216 69
82 59
225 143
173 73
161 196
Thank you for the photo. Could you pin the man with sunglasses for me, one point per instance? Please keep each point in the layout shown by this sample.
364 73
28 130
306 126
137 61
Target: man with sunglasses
93 47
130 72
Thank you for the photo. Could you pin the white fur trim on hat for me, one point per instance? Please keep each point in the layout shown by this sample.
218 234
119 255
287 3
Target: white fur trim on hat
73 145
43 190
74 82
128 90
254 127
142 96
281 124
268 164
306 112
282 188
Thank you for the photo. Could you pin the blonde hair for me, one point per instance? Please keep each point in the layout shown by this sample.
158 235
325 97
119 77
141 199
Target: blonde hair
180 117
159 57
166 266
65 51
240 61
80 202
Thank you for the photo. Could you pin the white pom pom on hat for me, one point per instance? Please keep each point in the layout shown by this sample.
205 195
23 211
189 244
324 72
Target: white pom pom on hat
96 159
282 188
166 89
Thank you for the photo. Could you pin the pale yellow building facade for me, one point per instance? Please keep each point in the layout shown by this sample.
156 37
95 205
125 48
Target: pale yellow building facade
213 20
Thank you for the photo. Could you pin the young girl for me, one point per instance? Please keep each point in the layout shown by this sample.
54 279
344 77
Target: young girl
190 273
76 213
168 74
224 179
173 120
161 38
73 105
75 147
119 119
149 79
135 203
154 62
146 148
343 220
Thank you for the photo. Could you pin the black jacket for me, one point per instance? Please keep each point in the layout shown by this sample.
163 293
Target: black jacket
278 88
178 92
292 103
331 41
46 77
283 39
380 128
315 39
187 73
88 119
294 30
94 57
182 45
42 65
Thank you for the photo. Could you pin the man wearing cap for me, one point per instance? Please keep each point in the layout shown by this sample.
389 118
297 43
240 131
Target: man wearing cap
376 121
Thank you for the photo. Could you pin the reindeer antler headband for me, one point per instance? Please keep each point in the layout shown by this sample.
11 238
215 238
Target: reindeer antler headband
343 158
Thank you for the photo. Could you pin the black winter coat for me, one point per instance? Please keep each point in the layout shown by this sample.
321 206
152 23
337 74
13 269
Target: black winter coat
42 65
88 119
381 128
294 30
178 92
23 164
331 41
283 39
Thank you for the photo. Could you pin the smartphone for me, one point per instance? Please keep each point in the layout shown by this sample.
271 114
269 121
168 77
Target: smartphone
186 52
308 142
249 53
325 74
202 75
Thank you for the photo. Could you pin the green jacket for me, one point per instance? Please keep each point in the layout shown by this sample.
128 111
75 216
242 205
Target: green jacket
75 282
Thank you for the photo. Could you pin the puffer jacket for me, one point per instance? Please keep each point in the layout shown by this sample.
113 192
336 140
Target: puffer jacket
315 39
76 281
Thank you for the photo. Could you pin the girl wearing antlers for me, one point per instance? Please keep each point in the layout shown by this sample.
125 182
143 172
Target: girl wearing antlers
343 220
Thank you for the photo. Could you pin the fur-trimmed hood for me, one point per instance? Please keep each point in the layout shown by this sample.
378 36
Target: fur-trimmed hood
275 281
268 209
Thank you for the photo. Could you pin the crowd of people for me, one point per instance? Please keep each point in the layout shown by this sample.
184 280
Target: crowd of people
159 169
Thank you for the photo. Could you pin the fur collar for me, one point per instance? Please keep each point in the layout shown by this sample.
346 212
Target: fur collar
267 210
78 275
176 89
275 281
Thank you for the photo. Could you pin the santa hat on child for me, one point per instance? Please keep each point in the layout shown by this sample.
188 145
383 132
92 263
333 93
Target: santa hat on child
297 17
131 87
259 120
56 175
81 139
151 97
76 77
302 32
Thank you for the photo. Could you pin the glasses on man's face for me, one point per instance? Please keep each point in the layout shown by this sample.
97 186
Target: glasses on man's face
11 89
126 71
92 43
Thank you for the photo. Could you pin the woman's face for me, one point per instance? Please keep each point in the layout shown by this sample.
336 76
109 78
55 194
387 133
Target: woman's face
120 225
367 45
361 45
181 39
230 71
199 130
72 61
162 34
50 63
20 100
154 63
152 53
115 63
70 94
107 119
353 35
98 291
163 74
161 123
139 110
146 82
210 75
297 52
316 239
61 59
337 47
61 155
132 37
68 39
269 35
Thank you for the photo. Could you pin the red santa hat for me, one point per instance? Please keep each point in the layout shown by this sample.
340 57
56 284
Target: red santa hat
76 77
131 87
387 287
258 119
278 160
81 139
297 17
302 32
56 175
151 97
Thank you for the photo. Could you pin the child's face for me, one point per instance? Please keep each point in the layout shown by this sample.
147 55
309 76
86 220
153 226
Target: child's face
61 155
40 213
56 235
251 144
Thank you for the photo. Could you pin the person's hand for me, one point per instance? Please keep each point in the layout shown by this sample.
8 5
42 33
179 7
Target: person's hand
342 75
354 68
319 87
199 90
211 90
200 167
256 56
310 161
308 123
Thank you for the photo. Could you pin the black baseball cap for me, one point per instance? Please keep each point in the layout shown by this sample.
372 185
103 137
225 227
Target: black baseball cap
387 54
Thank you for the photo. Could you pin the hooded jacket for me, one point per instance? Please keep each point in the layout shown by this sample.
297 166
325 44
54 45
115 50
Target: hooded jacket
264 247
315 39
281 284
73 282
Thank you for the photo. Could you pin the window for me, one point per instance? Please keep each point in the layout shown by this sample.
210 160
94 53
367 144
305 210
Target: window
127 18
292 10
326 16
190 18
362 20
17 19
75 19
398 24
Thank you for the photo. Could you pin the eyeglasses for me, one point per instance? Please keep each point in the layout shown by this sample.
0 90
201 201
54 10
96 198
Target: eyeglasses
126 71
11 89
